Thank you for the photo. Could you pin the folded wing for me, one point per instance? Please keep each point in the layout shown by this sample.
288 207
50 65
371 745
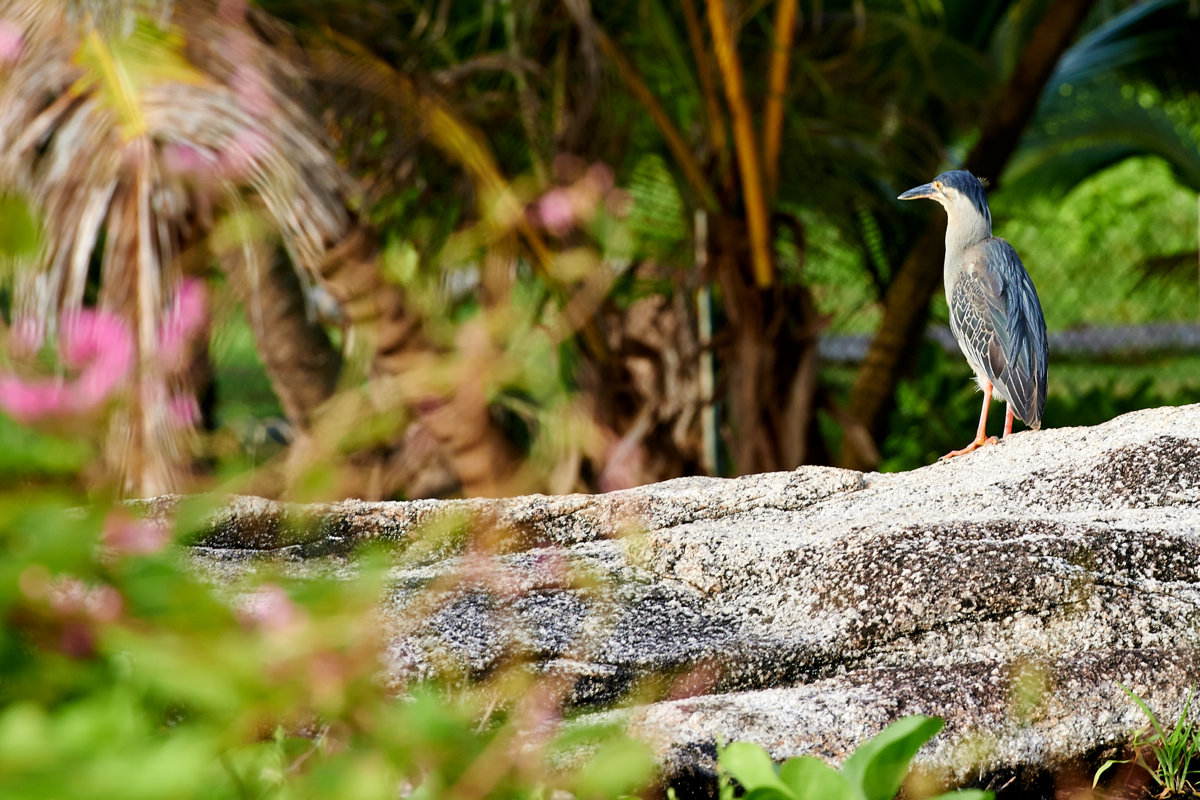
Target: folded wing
998 321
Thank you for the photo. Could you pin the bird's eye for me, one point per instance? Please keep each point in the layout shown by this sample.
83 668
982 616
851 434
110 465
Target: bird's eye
937 185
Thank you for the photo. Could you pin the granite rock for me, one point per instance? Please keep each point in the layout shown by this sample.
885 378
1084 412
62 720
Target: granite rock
1006 591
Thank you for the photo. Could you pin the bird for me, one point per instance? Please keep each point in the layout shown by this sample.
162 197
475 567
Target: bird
995 313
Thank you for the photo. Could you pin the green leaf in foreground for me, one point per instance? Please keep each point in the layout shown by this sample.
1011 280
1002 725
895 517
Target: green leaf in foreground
874 771
879 765
752 767
810 778
19 229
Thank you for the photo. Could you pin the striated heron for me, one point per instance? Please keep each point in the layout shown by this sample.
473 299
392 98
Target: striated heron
994 310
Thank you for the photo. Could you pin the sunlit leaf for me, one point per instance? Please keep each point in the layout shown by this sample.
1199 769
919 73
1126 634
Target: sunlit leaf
810 778
122 67
878 766
20 231
752 767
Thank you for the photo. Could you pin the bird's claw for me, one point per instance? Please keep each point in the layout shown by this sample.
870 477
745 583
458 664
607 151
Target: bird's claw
973 445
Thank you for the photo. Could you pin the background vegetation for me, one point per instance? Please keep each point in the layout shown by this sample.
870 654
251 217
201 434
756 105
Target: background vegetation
492 247
396 249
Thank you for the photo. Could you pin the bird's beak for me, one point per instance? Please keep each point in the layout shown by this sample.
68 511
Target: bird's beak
925 190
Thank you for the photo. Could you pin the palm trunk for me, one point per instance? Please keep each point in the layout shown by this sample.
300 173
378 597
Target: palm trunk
299 357
906 305
767 359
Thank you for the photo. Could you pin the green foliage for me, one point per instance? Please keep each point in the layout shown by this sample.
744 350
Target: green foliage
1173 750
874 771
123 673
20 230
1091 252
937 407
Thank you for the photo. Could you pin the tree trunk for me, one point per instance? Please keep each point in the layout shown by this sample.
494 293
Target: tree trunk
906 305
299 358
767 361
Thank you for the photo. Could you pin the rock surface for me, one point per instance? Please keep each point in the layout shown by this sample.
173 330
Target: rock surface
1006 591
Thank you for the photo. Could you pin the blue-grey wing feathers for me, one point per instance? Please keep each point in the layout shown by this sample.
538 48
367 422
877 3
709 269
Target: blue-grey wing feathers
997 318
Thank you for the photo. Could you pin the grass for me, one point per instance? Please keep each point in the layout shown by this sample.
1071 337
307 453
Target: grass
1173 750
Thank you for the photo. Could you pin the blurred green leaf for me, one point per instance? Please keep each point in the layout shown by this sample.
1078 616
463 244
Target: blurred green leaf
879 765
810 778
752 767
20 231
618 766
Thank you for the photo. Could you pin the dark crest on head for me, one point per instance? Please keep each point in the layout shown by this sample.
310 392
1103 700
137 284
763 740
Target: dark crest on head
972 187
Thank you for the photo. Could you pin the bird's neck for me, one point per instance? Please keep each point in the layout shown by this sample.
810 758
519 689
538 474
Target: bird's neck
965 231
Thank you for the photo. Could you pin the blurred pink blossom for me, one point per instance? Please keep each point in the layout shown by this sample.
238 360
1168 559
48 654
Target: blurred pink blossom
71 597
103 603
556 211
183 411
30 400
249 87
91 337
599 178
124 533
182 321
100 343
96 341
271 609
79 610
242 154
12 41
100 347
565 207
188 160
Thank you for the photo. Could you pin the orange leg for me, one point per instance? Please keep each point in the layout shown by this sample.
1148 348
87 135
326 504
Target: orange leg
981 437
1008 421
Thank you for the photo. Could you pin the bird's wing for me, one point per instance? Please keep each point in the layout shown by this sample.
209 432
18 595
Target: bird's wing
999 320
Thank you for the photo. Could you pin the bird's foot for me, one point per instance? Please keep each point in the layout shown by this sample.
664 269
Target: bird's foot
980 442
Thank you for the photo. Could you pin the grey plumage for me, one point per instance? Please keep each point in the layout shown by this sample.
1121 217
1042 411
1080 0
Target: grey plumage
997 319
995 313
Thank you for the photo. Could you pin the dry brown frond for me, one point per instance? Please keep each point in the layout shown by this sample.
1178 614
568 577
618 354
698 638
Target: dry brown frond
130 125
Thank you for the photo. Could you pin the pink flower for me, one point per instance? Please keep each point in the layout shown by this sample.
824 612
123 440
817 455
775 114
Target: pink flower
271 609
183 411
101 343
188 160
97 341
556 211
29 401
12 41
599 178
183 320
241 156
250 89
125 534
91 337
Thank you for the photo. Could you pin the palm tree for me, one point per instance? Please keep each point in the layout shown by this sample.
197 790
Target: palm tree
137 133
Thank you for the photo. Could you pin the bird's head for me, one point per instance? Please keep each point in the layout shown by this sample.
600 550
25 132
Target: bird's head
959 192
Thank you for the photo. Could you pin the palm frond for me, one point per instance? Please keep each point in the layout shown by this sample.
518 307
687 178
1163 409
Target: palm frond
1152 41
1088 131
126 140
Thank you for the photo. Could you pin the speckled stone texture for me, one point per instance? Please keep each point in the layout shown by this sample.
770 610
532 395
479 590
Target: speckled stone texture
1006 591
